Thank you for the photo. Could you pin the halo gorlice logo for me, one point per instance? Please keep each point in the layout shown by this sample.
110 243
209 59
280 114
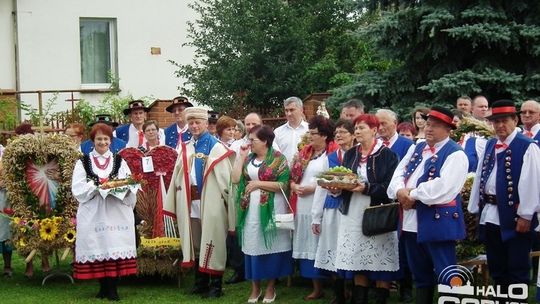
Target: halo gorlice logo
456 285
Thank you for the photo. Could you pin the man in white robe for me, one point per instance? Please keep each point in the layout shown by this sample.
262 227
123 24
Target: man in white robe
198 197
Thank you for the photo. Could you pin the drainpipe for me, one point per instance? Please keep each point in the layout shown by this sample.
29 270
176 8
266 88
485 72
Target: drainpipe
14 14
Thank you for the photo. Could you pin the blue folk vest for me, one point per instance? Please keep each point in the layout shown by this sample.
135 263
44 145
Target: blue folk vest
470 151
401 146
116 145
171 136
437 222
509 164
122 132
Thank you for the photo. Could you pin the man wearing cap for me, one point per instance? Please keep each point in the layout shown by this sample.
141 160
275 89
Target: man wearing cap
213 117
427 184
199 201
132 133
178 131
116 144
530 117
505 195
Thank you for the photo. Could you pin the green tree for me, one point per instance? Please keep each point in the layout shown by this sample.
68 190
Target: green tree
262 51
444 49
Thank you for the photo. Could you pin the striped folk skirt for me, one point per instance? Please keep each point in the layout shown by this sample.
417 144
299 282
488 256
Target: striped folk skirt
105 269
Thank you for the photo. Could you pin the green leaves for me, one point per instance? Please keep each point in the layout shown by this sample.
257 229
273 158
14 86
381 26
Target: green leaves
440 50
259 52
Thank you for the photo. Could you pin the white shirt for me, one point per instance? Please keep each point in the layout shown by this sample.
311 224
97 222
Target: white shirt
235 146
534 130
438 191
133 137
288 138
195 204
529 179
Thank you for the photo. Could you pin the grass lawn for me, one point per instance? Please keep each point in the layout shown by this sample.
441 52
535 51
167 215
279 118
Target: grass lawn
19 289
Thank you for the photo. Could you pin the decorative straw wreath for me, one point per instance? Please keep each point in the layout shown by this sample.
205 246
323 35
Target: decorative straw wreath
38 171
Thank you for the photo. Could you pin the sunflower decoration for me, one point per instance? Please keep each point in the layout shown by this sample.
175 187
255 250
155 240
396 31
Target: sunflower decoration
69 236
48 230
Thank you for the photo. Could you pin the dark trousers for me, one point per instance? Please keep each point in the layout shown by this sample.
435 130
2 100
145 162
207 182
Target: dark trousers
235 256
508 261
428 260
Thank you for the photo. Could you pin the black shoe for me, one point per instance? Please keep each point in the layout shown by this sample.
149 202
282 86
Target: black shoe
236 278
215 288
112 294
381 295
103 289
360 295
425 295
201 283
405 290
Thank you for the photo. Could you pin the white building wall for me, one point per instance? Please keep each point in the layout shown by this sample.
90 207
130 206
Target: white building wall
49 46
7 46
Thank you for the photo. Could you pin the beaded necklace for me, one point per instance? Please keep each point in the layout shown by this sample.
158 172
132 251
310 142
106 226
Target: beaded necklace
363 159
99 166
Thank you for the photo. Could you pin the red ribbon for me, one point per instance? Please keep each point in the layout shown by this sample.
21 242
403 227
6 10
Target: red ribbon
441 116
501 110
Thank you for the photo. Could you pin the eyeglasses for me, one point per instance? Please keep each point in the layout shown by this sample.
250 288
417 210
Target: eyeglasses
253 139
341 132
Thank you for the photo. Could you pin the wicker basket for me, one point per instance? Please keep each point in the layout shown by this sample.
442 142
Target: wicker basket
338 185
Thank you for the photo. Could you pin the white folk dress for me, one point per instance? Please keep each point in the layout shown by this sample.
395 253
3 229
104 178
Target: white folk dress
304 240
358 252
105 220
253 240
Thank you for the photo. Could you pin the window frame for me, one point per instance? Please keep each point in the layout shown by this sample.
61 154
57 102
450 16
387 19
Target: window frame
113 52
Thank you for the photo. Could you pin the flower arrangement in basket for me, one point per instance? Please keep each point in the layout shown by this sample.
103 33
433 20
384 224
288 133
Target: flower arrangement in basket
38 183
338 177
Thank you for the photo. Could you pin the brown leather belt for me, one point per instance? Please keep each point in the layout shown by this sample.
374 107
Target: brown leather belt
195 195
490 199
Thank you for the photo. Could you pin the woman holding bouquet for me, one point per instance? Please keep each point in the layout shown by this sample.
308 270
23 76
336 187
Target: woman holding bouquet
307 164
105 245
262 176
376 257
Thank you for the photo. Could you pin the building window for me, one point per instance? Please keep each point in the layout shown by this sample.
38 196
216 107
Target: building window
98 50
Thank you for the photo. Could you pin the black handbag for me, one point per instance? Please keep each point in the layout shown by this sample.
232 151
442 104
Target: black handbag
380 219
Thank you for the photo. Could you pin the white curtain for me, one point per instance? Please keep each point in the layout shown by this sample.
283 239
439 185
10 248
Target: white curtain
95 51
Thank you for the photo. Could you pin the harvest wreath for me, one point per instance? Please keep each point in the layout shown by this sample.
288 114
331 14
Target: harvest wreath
37 174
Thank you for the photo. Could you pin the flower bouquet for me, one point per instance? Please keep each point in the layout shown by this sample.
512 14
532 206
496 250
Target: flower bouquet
338 177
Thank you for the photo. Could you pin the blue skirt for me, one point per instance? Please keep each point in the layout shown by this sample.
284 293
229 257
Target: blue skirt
268 266
308 270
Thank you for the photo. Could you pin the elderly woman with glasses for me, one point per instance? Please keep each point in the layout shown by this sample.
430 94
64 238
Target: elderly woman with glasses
263 176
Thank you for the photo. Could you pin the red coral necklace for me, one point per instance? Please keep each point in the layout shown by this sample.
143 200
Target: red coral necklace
99 166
